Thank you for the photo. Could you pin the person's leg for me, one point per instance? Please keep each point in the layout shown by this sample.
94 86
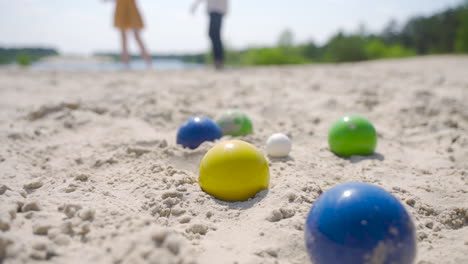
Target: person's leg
215 36
220 42
124 56
144 52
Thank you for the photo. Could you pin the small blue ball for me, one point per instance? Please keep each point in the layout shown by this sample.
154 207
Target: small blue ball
197 130
358 223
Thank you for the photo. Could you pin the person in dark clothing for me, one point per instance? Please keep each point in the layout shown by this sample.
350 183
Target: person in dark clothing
216 10
216 23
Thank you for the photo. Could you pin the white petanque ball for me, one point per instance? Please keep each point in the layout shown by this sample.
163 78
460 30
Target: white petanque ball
278 145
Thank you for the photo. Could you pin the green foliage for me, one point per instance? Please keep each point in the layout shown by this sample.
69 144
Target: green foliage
273 56
284 53
23 59
444 32
432 34
24 55
311 51
377 49
234 57
342 48
461 42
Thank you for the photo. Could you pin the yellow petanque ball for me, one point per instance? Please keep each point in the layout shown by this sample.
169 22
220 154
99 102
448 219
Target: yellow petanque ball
234 171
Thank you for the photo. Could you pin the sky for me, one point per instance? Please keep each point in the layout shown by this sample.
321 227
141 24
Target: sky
85 26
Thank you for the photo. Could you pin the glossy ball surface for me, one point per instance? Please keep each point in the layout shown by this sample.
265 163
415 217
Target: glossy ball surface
235 123
358 223
234 170
197 130
278 145
352 135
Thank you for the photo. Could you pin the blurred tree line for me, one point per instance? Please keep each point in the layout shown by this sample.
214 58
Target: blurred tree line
24 56
445 32
441 33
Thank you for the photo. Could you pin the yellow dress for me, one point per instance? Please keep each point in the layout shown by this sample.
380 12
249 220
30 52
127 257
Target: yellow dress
127 15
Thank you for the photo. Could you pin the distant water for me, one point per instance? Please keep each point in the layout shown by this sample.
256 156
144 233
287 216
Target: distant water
96 65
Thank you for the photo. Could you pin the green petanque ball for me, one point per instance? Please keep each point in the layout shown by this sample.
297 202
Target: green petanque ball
235 123
352 135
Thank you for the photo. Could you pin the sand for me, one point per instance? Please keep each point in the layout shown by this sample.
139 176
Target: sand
90 172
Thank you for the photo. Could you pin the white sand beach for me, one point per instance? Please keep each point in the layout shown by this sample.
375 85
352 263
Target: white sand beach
90 172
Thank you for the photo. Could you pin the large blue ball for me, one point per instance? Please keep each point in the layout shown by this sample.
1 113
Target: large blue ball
197 130
358 223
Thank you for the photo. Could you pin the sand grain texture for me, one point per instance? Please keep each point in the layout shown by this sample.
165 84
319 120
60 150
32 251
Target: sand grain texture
90 173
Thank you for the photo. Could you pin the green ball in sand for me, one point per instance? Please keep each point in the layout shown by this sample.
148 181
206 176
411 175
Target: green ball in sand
235 123
352 135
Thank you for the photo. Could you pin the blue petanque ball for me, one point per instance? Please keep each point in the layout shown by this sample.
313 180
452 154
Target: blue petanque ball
359 223
196 130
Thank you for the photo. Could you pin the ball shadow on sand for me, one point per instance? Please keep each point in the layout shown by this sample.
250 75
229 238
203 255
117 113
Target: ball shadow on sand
277 160
246 204
357 159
